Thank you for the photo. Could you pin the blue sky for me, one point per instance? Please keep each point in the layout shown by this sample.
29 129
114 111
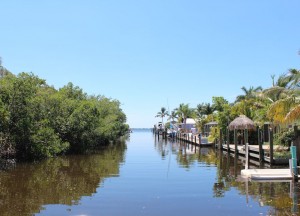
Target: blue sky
149 54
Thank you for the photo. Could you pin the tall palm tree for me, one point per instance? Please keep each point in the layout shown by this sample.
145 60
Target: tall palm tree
250 93
204 109
173 115
280 88
284 96
184 112
294 76
208 109
162 113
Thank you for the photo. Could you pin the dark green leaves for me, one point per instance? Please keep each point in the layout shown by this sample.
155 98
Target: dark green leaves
38 121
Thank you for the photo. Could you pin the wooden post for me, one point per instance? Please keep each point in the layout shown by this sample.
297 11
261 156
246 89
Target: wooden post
246 136
235 166
271 145
247 156
294 195
221 140
260 149
199 139
235 143
228 139
296 142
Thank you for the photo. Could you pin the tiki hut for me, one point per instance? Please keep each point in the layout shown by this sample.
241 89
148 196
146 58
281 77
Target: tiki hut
241 123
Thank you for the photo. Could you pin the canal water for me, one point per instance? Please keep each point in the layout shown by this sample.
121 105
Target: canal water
142 176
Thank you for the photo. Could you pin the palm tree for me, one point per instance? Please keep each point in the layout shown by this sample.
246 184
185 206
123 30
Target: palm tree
204 109
279 90
173 115
162 113
294 76
284 98
208 109
286 109
250 93
184 112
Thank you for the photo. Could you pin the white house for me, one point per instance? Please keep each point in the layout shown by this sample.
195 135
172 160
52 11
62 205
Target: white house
189 126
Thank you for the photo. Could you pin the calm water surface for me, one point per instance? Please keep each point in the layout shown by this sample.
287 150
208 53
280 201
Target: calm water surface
143 176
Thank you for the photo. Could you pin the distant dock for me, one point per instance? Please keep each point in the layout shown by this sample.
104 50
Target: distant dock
193 139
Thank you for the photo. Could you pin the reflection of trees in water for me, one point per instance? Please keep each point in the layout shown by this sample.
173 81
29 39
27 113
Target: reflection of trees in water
165 147
64 180
274 194
187 154
277 195
190 154
228 169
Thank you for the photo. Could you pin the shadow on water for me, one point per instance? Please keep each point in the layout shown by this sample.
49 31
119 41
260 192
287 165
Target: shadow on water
281 196
63 180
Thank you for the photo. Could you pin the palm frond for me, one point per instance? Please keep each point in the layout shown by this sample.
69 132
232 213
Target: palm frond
293 115
279 109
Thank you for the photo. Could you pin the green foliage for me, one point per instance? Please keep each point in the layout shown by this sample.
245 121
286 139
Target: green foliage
284 138
214 134
219 103
41 121
282 154
162 113
45 143
167 125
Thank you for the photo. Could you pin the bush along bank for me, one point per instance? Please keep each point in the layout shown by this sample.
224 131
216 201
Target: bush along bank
38 121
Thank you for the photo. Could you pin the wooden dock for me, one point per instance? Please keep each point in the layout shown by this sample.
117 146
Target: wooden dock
254 153
193 139
267 174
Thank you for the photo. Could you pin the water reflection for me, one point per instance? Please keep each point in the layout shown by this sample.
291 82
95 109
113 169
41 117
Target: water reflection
171 178
186 154
64 180
282 196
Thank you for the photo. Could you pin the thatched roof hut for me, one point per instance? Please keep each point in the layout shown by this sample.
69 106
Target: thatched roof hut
241 123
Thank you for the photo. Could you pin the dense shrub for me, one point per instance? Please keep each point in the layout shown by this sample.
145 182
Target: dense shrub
41 121
284 138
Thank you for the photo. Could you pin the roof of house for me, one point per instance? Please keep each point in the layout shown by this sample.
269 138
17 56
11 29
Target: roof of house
211 123
190 121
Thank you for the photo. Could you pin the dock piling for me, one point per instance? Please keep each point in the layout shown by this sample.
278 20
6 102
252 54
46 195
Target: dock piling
228 140
294 162
221 140
247 156
260 149
235 142
271 145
